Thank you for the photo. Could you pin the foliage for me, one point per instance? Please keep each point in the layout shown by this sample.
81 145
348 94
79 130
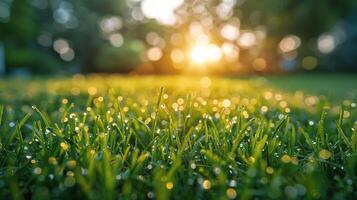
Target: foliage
128 56
195 138
19 35
37 24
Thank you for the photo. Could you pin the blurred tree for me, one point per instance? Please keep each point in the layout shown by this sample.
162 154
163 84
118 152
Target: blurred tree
33 30
102 39
344 56
21 25
19 34
306 19
116 36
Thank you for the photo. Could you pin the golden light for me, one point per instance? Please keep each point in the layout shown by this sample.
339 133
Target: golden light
205 53
247 39
214 53
230 51
177 56
198 54
230 32
205 82
161 10
259 64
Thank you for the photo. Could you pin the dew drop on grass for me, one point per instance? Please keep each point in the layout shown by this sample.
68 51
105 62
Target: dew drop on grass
11 124
281 116
231 193
232 183
301 190
118 177
291 191
264 180
150 195
69 181
206 184
37 170
169 185
51 176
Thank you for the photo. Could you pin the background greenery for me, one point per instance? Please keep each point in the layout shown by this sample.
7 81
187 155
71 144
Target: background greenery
28 29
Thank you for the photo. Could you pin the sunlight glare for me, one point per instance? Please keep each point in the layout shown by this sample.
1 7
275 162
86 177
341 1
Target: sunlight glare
231 51
201 54
161 10
198 54
230 32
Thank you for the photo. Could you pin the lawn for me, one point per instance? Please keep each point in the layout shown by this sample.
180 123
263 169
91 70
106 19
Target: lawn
114 137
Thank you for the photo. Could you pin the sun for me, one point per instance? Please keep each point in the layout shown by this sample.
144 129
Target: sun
198 54
205 53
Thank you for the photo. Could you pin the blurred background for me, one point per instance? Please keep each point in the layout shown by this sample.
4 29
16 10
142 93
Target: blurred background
177 36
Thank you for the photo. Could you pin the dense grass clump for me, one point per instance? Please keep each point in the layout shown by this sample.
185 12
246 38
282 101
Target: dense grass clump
176 138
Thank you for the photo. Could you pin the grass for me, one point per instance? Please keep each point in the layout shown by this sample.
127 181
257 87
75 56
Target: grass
178 138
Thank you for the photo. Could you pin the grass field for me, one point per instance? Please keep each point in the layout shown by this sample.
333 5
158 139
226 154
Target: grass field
112 137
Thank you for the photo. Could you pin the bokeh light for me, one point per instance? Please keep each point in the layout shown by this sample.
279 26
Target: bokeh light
247 39
68 55
230 32
161 10
259 64
116 39
326 43
230 51
111 24
60 46
154 54
177 56
289 43
309 63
